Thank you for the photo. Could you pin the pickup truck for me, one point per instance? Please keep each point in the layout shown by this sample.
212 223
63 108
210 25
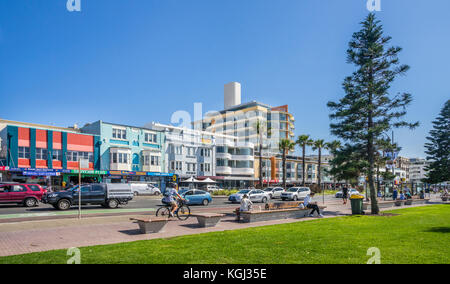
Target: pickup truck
105 194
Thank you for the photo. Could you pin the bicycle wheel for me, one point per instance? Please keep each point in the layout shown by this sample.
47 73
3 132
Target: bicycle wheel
163 212
183 212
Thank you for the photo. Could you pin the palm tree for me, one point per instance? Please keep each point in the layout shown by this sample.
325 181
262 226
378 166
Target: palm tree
261 128
303 141
285 146
319 145
333 146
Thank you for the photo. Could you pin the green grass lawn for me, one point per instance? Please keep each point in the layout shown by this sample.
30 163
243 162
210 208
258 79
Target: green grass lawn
416 235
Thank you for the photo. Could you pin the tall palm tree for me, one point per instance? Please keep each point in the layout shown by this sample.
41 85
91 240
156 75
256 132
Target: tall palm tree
303 141
261 128
333 146
319 145
285 146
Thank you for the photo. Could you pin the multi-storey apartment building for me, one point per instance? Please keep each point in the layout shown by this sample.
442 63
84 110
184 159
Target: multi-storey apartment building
417 170
46 154
202 154
240 120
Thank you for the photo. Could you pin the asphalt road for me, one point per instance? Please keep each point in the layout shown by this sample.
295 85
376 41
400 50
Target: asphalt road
139 202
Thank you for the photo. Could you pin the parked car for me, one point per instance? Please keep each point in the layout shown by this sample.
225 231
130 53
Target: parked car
255 195
144 189
211 188
105 194
274 192
295 193
350 192
27 195
195 196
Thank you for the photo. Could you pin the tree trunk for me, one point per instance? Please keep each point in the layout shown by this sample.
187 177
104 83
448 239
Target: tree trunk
303 165
370 150
284 169
260 166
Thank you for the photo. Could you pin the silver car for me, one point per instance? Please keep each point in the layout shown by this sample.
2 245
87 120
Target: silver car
255 195
295 193
274 192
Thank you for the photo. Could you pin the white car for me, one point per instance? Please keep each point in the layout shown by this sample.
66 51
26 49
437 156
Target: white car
144 189
295 193
211 188
255 195
274 192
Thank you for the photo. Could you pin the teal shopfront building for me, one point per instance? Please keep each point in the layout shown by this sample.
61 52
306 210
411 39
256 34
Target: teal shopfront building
129 153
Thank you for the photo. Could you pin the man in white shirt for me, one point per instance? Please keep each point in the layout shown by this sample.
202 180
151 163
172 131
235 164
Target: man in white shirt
246 205
307 202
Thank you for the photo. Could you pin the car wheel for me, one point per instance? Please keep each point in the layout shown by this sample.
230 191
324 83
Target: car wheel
295 198
264 200
135 193
63 204
30 202
156 193
205 202
112 203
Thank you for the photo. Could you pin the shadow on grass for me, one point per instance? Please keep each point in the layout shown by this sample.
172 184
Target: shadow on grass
439 230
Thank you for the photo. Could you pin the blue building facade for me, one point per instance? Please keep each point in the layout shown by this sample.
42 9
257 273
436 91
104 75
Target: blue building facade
129 153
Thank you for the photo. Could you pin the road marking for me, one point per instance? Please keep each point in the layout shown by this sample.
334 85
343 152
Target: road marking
74 212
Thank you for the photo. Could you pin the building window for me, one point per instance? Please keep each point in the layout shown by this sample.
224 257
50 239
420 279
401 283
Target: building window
24 152
179 150
119 133
150 138
57 155
41 154
155 160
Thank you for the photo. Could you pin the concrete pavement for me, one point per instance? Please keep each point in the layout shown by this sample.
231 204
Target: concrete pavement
35 236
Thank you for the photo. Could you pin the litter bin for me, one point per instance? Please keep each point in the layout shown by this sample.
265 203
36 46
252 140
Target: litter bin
357 206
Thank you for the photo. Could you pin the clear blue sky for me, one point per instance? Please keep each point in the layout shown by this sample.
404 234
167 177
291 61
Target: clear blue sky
135 61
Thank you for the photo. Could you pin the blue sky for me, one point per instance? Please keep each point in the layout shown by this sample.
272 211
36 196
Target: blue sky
137 61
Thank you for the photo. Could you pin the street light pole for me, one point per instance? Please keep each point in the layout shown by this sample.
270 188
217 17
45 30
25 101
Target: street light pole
79 188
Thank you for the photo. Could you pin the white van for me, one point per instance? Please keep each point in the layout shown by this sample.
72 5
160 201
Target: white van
144 189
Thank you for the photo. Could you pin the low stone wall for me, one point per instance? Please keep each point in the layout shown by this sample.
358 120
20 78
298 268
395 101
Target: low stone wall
268 215
395 203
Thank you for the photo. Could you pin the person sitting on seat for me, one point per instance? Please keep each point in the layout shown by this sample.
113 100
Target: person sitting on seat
246 205
402 196
307 202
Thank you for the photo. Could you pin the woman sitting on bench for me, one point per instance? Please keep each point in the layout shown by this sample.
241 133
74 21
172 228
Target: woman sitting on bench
307 202
246 205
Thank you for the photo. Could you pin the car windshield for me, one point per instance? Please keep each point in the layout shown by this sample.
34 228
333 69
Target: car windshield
73 188
245 191
292 189
268 189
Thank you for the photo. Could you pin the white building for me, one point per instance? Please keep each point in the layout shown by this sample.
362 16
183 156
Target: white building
417 170
202 154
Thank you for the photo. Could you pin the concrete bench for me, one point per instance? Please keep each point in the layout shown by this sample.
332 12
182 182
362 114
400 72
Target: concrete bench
206 220
282 205
268 215
153 225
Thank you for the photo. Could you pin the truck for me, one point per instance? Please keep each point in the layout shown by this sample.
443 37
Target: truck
108 195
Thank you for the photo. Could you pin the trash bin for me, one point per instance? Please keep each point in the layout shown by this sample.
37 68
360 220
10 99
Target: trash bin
357 206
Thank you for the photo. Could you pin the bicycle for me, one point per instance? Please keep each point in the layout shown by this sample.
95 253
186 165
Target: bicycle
183 211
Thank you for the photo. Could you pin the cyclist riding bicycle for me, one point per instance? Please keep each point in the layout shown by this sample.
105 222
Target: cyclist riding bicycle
170 196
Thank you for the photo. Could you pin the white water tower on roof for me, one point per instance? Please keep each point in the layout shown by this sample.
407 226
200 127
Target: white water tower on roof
232 94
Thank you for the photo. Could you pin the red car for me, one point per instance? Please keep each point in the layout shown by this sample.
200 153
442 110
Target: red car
27 195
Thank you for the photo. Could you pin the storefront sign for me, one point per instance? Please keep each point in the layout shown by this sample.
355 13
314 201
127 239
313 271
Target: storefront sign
2 168
40 173
89 172
127 173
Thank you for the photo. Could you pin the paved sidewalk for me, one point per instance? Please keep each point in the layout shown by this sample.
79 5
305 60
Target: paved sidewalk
35 236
